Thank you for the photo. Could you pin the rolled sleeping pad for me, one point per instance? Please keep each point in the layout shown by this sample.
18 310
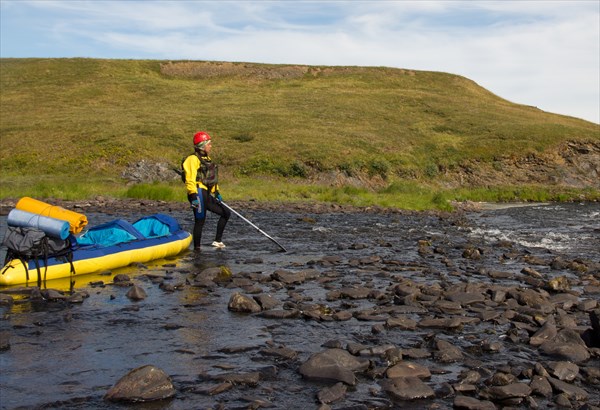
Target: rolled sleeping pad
51 226
76 220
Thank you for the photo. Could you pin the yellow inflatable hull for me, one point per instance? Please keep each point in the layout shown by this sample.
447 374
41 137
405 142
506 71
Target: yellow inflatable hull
92 261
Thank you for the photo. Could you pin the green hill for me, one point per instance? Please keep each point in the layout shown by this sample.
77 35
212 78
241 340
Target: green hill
73 127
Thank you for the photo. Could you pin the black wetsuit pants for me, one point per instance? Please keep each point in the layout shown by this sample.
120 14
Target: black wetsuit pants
208 203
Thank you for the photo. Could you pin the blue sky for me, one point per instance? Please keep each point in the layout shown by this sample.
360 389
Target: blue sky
534 52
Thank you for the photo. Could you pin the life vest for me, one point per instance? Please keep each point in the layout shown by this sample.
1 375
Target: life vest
207 174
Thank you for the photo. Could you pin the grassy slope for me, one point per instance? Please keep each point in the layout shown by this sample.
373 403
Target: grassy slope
90 118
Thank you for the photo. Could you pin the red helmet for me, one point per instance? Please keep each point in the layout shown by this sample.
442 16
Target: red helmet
201 139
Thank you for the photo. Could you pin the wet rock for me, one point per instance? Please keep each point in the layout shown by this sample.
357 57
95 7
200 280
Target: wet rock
447 352
332 394
565 371
280 352
333 365
547 332
540 386
289 278
146 383
472 253
502 378
4 341
6 300
218 274
408 369
567 345
514 390
573 392
441 323
531 272
136 293
587 305
77 297
559 284
53 295
243 304
267 302
355 293
471 403
246 379
342 316
121 279
402 322
407 388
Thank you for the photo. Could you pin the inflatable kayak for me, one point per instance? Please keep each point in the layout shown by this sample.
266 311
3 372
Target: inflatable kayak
108 246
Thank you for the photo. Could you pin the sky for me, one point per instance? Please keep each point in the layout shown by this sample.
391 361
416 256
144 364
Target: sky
534 52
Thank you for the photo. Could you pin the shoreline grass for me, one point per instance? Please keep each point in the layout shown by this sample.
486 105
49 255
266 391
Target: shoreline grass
407 195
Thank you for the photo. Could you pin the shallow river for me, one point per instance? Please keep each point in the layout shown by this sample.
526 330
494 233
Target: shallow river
68 356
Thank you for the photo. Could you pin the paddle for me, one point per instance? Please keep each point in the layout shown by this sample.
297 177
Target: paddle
252 225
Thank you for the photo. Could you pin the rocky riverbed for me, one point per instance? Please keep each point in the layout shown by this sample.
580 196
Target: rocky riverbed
368 309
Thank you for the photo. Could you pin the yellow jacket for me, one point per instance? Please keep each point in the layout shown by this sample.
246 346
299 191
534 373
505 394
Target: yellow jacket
191 166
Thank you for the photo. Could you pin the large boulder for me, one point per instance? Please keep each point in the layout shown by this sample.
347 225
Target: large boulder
146 383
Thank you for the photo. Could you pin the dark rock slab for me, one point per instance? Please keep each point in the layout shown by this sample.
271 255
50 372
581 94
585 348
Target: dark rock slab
407 388
540 386
408 369
471 403
267 302
514 390
572 391
401 322
565 371
332 394
567 345
333 365
446 352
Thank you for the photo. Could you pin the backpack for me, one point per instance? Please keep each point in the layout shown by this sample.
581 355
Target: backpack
207 173
28 244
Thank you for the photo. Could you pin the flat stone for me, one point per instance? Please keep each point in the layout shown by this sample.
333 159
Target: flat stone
572 391
565 371
267 302
547 332
471 403
401 322
447 352
540 386
332 394
335 365
466 298
408 369
509 391
407 388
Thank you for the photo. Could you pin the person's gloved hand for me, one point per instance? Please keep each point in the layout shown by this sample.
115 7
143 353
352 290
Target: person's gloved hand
195 203
218 196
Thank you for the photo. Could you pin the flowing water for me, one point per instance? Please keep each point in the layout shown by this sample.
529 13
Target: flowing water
68 356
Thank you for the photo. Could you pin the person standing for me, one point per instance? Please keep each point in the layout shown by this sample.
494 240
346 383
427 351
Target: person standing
201 182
